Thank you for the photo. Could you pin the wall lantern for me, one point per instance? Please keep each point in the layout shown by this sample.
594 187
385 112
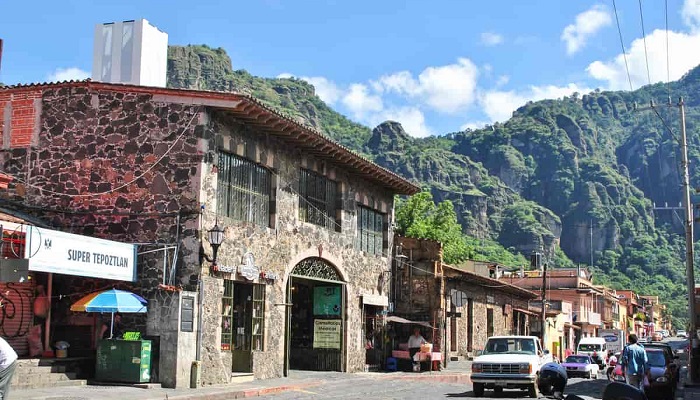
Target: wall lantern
216 237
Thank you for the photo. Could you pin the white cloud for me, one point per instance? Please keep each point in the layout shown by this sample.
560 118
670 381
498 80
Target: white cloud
327 90
67 74
473 125
613 71
447 89
502 80
499 105
360 101
491 39
584 27
691 14
411 118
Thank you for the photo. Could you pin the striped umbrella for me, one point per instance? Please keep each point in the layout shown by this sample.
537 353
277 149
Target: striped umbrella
111 301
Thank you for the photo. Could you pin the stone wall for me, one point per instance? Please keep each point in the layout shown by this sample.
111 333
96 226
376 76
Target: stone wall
484 298
280 247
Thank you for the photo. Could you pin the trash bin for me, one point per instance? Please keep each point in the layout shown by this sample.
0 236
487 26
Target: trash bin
61 349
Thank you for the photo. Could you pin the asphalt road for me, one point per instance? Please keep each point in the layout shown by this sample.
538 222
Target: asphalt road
421 387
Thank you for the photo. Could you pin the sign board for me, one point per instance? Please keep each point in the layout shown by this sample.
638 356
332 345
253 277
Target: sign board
327 300
457 298
248 269
327 333
66 253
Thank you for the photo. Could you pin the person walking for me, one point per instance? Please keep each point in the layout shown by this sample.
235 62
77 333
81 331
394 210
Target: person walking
634 363
8 363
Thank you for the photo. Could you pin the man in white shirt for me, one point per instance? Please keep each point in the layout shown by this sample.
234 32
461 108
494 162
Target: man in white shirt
414 342
8 362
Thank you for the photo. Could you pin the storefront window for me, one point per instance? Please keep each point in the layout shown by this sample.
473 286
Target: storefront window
370 232
227 316
244 190
243 316
317 200
258 317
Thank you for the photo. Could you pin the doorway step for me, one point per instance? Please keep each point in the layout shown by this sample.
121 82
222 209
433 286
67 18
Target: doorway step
38 373
242 377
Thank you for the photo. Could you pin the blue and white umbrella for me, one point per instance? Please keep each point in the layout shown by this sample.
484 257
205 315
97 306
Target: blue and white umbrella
111 301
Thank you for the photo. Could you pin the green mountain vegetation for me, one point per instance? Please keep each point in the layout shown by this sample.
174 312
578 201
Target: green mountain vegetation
576 178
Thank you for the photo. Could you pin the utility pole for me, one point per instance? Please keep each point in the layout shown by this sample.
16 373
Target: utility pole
689 253
689 240
544 305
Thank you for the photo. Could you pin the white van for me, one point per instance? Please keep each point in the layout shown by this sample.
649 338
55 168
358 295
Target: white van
595 347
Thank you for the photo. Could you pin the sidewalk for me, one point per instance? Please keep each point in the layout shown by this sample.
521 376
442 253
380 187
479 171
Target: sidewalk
457 372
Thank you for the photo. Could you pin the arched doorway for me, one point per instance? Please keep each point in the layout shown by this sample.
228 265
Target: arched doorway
315 324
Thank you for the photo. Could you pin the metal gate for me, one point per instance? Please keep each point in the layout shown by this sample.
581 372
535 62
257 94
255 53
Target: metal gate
16 314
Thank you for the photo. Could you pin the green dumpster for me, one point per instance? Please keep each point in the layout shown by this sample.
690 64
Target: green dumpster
127 361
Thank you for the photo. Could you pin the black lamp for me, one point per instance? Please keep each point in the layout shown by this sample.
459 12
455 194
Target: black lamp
216 237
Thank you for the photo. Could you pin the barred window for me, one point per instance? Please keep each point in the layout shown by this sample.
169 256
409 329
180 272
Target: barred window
370 230
244 190
317 200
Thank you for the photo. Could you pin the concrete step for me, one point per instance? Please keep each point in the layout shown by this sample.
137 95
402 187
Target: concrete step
241 377
74 382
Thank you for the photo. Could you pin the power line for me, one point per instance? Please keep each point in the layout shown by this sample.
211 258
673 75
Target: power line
644 36
668 63
622 44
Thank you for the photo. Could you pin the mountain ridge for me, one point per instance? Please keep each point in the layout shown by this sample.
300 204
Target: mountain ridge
576 176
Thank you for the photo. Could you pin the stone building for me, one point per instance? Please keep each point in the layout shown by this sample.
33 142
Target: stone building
463 307
306 223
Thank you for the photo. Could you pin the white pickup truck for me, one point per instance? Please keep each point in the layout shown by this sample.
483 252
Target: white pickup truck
511 362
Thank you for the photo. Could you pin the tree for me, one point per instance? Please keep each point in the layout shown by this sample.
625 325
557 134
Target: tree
420 217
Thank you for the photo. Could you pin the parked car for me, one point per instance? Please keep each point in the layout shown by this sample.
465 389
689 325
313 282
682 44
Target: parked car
657 337
511 362
664 375
681 333
581 365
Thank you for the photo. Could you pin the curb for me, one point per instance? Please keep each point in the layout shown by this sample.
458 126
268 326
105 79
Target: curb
443 378
242 393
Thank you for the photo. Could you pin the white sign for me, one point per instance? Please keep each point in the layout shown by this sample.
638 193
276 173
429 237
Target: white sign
248 269
327 333
65 253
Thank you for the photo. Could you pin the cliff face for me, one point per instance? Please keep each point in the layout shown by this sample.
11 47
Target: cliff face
579 173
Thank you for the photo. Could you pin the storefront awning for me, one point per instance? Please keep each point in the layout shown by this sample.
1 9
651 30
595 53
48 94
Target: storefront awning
400 320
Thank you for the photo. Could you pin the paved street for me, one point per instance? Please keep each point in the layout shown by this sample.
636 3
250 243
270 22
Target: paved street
448 384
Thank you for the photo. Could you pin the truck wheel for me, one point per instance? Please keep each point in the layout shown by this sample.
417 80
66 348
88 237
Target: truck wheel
532 391
498 390
478 389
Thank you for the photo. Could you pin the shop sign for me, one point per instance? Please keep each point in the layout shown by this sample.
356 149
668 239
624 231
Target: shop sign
228 269
327 333
270 276
66 253
327 300
248 269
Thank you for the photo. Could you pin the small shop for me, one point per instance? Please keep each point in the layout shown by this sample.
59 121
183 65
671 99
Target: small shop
316 333
53 270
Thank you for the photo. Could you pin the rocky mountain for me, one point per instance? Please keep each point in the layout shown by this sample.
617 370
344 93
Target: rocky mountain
577 176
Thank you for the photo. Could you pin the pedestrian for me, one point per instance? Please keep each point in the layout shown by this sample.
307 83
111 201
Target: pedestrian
552 380
8 363
634 363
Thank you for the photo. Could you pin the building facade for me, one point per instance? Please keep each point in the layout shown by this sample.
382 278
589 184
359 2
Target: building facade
306 223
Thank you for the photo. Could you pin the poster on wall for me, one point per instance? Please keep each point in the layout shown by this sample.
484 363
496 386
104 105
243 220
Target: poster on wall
327 333
327 300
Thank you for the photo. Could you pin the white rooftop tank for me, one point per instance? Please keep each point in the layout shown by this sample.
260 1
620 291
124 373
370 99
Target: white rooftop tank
133 52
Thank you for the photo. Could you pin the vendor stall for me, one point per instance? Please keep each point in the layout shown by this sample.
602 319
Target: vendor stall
400 350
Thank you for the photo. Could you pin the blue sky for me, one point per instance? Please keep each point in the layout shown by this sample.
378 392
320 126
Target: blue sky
436 67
